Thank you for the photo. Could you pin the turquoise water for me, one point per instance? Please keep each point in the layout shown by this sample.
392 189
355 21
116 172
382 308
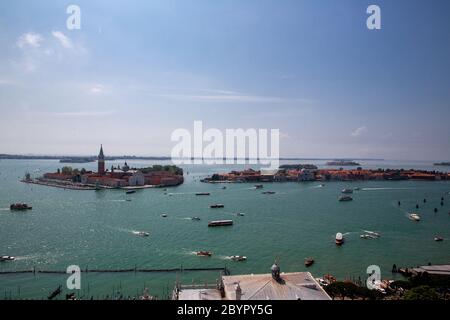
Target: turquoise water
94 229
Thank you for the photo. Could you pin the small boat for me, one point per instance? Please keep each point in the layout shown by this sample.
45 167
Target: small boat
414 217
224 187
20 207
339 240
347 191
240 214
130 191
220 223
141 233
309 262
365 236
217 205
345 198
238 258
204 253
356 188
438 239
259 186
195 218
202 194
164 215
128 200
7 258
268 192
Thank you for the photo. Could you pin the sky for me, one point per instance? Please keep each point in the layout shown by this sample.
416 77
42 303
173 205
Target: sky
138 70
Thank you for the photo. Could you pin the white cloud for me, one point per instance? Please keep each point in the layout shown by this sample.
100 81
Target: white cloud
359 131
30 39
63 40
97 88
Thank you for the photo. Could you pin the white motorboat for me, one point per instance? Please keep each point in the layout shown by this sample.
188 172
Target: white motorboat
347 191
7 258
414 217
238 258
141 233
339 239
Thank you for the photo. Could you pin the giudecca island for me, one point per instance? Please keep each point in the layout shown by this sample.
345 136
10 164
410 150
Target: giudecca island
118 177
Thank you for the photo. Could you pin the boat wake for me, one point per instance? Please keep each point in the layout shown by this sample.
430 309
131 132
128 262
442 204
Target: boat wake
4 209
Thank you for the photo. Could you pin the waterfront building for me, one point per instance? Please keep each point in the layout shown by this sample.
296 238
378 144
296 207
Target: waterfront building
306 175
271 286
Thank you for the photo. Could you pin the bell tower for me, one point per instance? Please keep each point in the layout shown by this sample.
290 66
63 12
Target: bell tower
101 161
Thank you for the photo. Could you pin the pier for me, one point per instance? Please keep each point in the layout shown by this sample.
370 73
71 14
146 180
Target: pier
224 269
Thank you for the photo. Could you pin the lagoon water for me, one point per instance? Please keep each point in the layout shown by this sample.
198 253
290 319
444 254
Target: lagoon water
94 229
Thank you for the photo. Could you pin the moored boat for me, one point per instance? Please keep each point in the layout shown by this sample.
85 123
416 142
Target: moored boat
130 191
414 217
20 206
240 214
339 239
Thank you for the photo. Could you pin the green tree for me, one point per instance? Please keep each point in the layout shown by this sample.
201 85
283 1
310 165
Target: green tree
67 170
423 293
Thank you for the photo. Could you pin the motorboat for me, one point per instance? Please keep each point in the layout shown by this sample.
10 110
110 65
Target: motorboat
438 239
240 214
259 186
7 258
347 191
309 262
339 240
130 191
141 233
365 236
220 223
345 198
204 253
20 207
268 192
202 194
195 218
164 215
216 206
414 217
356 188
224 187
238 258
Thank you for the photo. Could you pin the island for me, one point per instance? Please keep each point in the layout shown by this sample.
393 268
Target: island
299 175
347 163
123 177
443 164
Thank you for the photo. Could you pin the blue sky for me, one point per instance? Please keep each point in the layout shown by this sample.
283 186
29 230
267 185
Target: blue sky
137 70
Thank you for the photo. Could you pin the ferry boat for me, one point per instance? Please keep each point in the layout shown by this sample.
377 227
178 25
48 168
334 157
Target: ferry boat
238 258
347 191
141 233
339 240
204 253
7 258
217 205
20 207
345 198
309 262
220 223
414 217
202 194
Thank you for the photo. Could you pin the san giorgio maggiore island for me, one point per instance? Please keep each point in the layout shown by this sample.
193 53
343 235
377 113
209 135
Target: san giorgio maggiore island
117 177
